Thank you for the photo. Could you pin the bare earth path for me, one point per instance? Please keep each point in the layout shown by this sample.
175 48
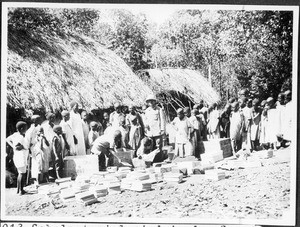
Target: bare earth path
257 193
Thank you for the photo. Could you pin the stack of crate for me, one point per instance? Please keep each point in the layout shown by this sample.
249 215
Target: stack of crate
80 165
216 150
223 144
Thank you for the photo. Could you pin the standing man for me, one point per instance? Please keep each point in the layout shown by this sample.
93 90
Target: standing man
76 125
86 130
155 125
116 115
68 134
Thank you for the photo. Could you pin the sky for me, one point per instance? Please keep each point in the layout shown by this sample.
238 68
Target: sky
155 13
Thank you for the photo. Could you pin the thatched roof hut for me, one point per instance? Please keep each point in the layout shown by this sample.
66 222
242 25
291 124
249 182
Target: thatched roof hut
190 83
50 71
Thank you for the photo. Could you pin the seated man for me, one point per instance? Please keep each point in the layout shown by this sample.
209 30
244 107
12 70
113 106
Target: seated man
145 155
106 147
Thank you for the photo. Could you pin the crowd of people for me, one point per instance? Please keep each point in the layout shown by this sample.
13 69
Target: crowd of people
250 124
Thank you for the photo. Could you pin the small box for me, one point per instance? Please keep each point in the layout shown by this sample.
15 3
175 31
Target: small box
183 171
214 175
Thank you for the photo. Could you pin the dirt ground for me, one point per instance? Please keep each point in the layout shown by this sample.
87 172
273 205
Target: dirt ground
258 193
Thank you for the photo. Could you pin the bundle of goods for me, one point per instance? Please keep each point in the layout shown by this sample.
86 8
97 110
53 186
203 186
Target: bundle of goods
83 179
223 145
141 185
108 178
97 177
125 155
123 171
31 189
48 189
201 169
212 157
80 165
112 169
86 198
162 167
62 180
138 175
80 187
155 177
66 195
99 190
114 187
126 183
189 165
176 169
173 177
214 175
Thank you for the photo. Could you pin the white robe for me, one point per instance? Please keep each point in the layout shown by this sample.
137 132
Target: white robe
67 130
288 121
20 156
76 125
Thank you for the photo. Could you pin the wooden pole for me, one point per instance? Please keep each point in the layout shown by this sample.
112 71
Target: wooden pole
209 75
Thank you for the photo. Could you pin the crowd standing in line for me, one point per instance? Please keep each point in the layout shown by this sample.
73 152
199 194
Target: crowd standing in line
250 124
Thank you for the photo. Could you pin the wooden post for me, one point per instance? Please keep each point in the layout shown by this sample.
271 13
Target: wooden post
209 75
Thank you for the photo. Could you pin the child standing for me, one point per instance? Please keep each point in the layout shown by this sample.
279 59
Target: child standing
195 136
40 157
263 125
183 129
18 143
236 127
213 124
57 151
135 133
273 126
255 123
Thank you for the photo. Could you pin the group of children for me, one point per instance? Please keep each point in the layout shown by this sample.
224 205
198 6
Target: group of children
252 124
50 138
248 123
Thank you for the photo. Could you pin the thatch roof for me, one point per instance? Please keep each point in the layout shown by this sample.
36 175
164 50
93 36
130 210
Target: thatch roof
50 71
186 81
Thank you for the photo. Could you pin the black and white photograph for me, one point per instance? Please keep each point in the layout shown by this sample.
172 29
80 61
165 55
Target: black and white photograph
149 113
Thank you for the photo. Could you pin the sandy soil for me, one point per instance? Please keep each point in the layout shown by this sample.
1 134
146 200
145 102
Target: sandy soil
259 193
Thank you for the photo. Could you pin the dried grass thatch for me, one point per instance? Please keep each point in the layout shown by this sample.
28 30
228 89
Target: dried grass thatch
50 71
185 81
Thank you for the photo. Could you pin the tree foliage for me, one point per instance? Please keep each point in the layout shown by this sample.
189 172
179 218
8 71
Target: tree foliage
244 49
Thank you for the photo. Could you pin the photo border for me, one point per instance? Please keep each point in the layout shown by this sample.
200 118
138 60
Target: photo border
189 221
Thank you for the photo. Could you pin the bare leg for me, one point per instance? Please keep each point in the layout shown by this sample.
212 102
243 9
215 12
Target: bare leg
19 182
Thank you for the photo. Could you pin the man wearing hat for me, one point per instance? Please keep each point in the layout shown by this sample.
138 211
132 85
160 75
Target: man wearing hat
155 124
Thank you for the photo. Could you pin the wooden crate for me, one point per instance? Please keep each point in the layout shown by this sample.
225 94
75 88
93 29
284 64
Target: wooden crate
80 165
125 156
223 144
